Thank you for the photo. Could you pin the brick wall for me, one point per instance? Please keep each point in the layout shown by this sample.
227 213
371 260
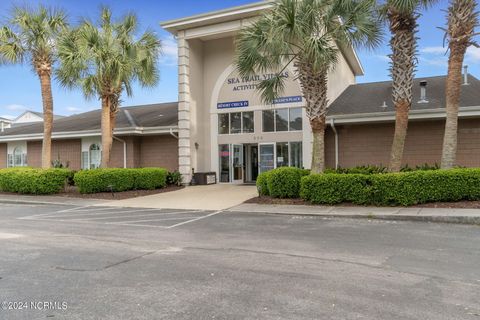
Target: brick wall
371 143
68 150
133 153
3 155
159 151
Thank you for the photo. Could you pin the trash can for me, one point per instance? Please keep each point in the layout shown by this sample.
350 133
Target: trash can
204 178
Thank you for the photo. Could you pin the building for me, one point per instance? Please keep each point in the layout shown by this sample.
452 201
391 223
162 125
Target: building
145 136
224 127
29 116
5 123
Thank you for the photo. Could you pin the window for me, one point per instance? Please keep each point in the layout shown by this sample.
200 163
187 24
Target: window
236 122
296 155
95 156
282 154
247 122
268 121
281 120
295 119
223 123
224 155
17 159
289 119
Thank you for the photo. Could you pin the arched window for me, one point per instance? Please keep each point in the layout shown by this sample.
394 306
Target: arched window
19 157
95 156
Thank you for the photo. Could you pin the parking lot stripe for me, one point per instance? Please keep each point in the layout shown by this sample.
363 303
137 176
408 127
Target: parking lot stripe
119 216
150 220
95 213
193 220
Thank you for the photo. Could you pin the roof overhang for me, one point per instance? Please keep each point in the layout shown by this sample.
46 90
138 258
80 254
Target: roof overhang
428 114
229 21
137 131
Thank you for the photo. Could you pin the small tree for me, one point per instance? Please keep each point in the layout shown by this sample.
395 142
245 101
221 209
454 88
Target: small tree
402 18
32 38
462 18
307 34
104 61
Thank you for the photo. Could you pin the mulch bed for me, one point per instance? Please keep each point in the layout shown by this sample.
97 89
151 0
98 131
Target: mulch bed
72 192
448 205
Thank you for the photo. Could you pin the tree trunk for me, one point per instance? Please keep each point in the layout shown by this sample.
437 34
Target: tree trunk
453 85
318 152
47 100
401 126
403 43
106 132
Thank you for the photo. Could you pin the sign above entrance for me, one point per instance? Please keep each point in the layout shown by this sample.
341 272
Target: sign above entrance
288 100
236 104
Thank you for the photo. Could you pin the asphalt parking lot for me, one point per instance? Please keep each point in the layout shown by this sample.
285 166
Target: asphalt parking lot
81 262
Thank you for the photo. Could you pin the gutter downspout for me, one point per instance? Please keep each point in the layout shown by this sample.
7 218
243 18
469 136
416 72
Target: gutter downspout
124 150
332 124
173 134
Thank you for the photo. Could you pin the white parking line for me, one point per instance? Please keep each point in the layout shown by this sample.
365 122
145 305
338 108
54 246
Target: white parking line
149 220
199 218
132 216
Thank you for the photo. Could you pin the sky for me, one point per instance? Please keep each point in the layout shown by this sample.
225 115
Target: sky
20 88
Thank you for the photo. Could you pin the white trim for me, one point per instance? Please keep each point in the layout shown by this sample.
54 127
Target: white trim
429 114
92 133
206 18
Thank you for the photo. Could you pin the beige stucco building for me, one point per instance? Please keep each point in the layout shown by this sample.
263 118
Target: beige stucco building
223 126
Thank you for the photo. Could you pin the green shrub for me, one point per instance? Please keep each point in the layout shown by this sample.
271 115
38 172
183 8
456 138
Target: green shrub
405 188
262 184
117 180
370 169
285 182
33 181
336 188
174 178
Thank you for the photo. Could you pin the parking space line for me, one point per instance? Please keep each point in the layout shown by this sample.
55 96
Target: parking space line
193 220
150 220
134 216
91 213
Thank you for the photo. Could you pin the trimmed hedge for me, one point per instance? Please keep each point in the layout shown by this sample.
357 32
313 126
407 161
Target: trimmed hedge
34 181
117 180
407 188
281 182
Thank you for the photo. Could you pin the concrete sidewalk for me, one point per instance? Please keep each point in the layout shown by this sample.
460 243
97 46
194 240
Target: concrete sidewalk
466 216
210 197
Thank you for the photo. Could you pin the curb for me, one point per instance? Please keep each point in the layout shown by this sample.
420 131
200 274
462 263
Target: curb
467 220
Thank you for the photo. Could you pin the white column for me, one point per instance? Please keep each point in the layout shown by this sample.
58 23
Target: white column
184 143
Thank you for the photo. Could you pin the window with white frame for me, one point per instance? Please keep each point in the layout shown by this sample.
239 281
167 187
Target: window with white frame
278 120
18 158
236 122
92 158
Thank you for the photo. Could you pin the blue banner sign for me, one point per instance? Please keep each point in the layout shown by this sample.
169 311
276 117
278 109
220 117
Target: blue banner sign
287 100
236 104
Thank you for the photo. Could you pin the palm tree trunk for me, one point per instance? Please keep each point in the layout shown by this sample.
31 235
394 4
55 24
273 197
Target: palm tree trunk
106 132
453 85
401 127
47 99
318 152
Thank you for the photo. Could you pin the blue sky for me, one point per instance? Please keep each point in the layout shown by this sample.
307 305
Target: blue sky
20 89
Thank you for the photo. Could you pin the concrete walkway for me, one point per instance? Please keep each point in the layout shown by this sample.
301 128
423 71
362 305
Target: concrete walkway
211 197
467 216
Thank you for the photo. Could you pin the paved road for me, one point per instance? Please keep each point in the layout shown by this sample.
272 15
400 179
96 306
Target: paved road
117 263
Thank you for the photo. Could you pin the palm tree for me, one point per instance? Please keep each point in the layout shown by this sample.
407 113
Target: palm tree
32 38
402 19
307 34
462 19
104 61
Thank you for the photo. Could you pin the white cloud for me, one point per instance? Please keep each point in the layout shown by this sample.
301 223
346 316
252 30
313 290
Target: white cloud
7 116
73 109
16 107
433 50
169 51
473 55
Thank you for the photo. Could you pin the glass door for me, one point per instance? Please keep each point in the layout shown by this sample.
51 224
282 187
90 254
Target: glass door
237 163
266 157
